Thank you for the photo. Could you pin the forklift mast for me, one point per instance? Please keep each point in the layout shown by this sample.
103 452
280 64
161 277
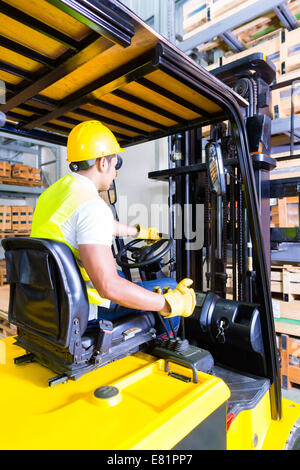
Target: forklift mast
206 172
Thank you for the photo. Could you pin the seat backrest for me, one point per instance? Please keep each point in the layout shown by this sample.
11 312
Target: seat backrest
47 292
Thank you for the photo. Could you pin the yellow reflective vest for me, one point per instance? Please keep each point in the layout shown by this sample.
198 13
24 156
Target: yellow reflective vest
54 207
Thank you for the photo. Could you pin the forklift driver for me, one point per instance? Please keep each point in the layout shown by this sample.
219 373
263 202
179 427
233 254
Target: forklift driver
71 211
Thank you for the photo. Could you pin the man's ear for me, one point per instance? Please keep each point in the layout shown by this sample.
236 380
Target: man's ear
101 164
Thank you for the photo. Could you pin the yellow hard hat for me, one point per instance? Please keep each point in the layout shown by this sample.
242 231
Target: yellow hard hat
89 140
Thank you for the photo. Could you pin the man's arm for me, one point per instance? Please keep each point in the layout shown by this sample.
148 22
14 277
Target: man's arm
99 264
122 230
149 234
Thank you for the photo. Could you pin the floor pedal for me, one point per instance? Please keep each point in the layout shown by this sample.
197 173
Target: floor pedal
59 379
23 359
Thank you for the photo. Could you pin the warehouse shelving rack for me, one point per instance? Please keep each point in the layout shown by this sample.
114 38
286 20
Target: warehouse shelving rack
13 147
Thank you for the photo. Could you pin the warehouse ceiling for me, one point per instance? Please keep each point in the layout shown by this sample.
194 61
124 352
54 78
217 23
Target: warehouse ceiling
67 61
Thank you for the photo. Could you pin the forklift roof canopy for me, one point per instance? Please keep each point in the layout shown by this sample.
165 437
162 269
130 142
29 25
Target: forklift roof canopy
67 61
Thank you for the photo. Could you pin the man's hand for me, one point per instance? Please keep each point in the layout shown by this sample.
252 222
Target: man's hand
182 300
150 235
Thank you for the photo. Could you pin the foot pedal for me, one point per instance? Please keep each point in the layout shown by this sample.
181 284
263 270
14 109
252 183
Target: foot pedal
59 379
23 359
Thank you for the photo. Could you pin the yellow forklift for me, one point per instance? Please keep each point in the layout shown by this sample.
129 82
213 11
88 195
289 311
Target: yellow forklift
215 384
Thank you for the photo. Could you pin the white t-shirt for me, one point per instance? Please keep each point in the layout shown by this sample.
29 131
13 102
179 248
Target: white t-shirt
91 223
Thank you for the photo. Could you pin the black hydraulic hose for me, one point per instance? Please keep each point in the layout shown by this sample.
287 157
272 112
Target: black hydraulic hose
240 247
233 234
187 214
254 95
171 212
225 240
207 230
245 249
213 234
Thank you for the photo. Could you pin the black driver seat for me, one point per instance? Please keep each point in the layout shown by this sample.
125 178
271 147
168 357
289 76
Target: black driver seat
49 305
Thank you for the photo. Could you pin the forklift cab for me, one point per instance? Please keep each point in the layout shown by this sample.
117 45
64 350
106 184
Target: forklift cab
218 384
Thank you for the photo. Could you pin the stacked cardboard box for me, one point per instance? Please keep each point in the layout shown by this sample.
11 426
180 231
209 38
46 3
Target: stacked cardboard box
21 218
290 360
5 218
5 170
285 212
3 276
19 172
16 218
34 174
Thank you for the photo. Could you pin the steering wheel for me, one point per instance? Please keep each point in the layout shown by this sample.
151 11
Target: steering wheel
143 256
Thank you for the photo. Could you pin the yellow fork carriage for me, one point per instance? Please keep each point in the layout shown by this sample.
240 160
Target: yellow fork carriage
214 384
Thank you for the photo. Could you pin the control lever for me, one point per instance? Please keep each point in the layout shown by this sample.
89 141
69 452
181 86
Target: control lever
105 337
179 351
158 290
165 291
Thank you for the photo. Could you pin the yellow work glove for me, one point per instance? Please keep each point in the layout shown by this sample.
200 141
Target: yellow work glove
150 235
182 300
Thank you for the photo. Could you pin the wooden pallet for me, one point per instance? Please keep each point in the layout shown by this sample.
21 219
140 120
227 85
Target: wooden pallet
262 34
281 97
20 182
286 316
25 172
290 360
285 168
34 174
285 282
286 307
197 13
285 212
11 233
283 50
4 298
6 328
19 174
3 276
